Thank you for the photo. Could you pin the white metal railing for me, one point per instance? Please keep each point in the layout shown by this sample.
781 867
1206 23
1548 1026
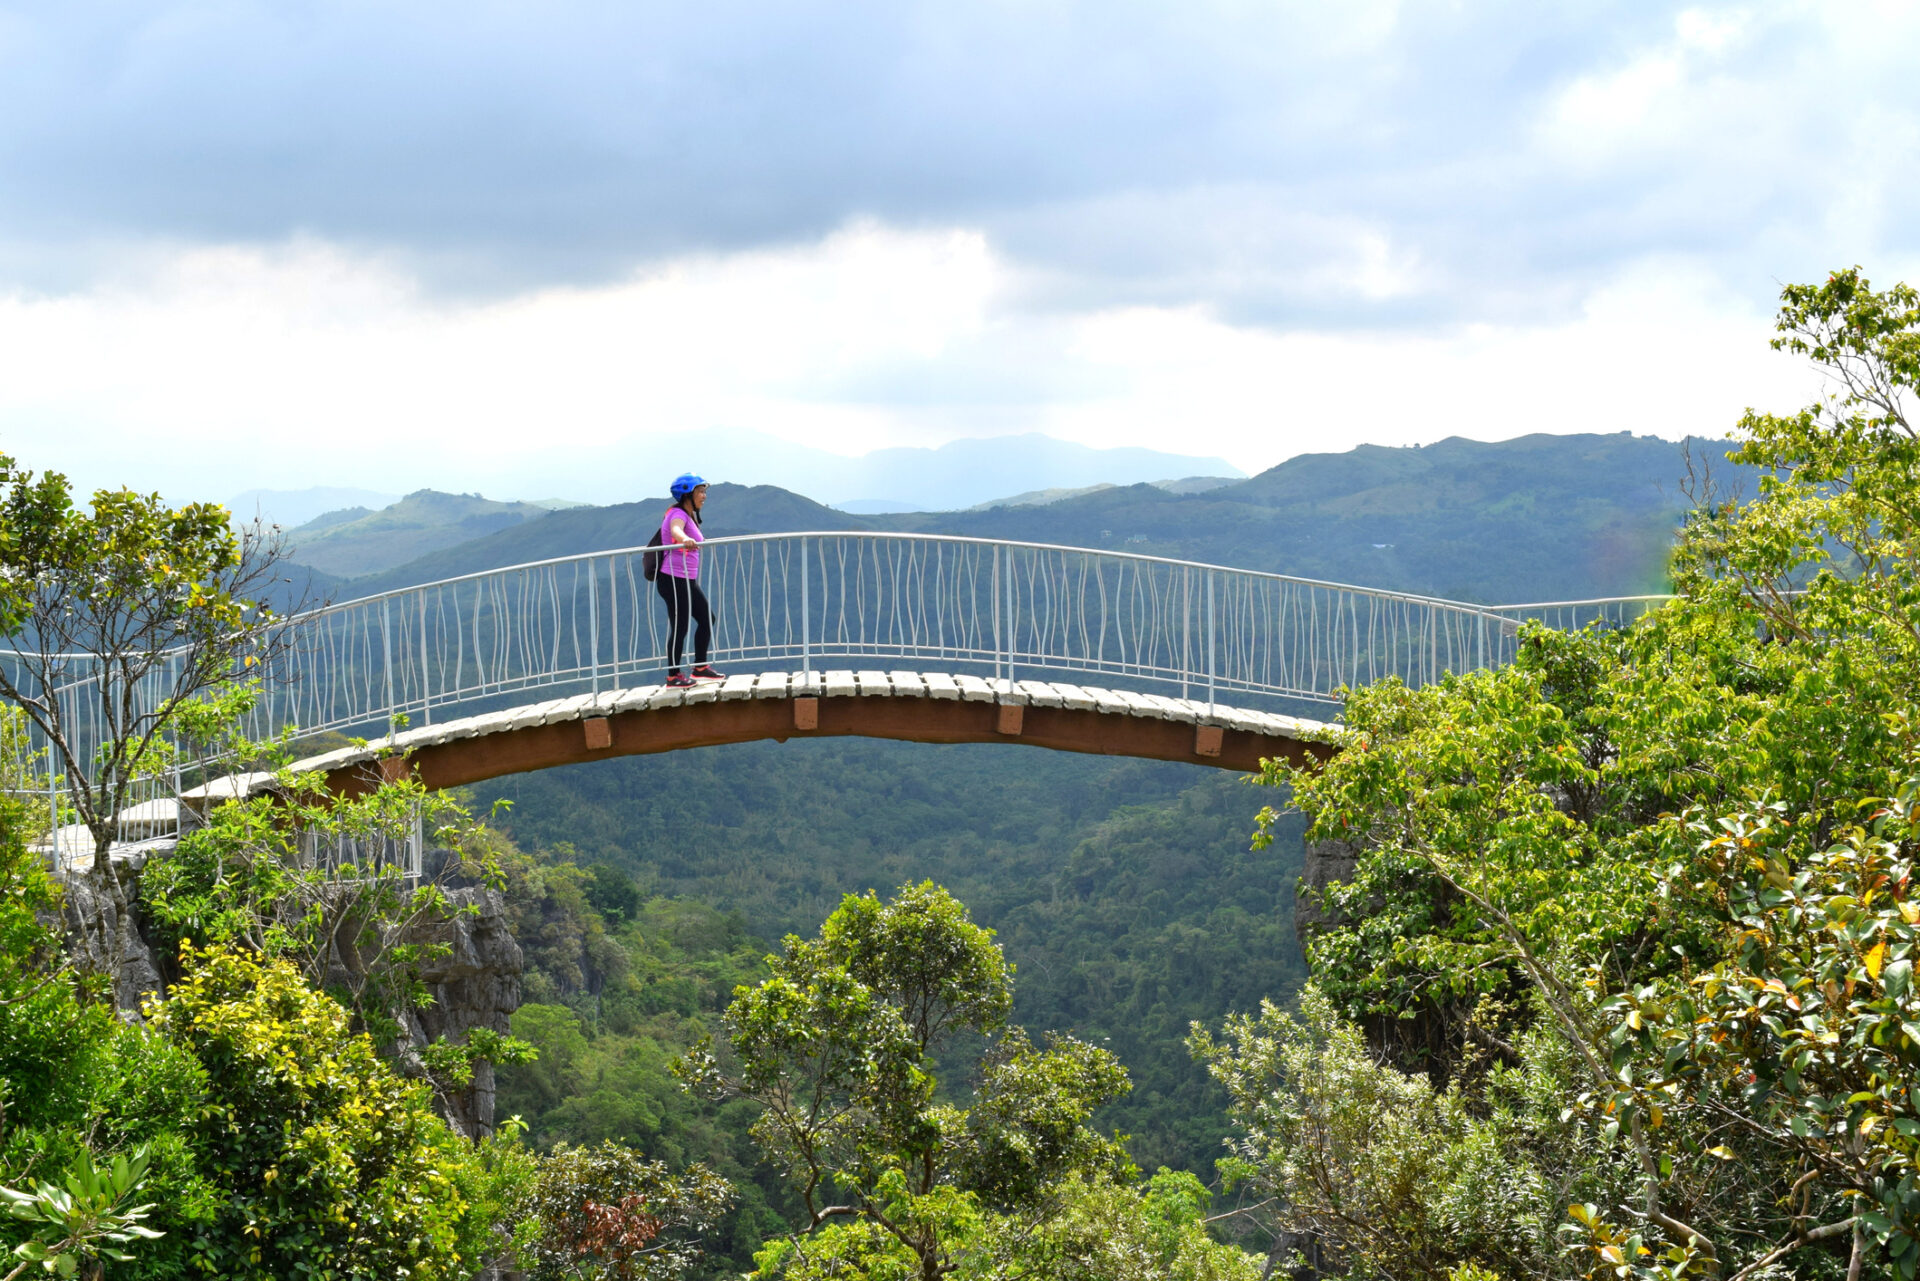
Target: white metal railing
592 622
1008 609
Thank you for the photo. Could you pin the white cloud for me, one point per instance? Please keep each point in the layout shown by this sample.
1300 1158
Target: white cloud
1672 96
224 369
1659 352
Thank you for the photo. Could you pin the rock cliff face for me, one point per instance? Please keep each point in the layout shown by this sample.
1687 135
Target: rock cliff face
475 984
1328 863
108 935
1425 1042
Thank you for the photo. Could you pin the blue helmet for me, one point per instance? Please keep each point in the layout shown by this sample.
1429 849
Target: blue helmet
686 484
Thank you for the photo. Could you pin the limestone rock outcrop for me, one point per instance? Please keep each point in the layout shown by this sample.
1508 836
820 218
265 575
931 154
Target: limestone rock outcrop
471 972
1327 863
476 984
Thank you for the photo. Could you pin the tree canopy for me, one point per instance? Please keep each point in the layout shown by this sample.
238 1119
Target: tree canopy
1659 867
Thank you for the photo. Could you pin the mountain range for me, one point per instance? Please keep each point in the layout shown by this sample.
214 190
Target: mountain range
1540 517
356 540
958 474
1125 891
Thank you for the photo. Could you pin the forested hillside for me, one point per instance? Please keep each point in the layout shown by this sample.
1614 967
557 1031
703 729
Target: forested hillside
354 542
1541 517
1538 518
1126 892
714 934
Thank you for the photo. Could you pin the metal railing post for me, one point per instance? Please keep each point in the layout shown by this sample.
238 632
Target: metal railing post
426 673
1013 620
1186 629
53 806
806 616
996 611
417 844
1210 698
593 623
386 655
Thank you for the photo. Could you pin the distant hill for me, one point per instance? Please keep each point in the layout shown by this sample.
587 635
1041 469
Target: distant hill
1542 517
962 473
731 509
1041 497
356 541
290 507
1537 518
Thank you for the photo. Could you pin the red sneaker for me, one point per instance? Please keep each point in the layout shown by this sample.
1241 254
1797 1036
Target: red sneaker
679 680
706 673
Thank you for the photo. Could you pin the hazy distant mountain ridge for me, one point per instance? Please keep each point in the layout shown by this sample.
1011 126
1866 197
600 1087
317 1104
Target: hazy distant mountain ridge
355 541
963 473
1541 517
1041 497
288 508
742 509
1537 518
957 474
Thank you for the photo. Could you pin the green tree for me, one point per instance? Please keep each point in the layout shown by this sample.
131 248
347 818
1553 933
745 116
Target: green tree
327 1160
606 1213
1100 1230
309 875
1531 840
120 612
1806 1032
839 1047
1382 1174
54 1045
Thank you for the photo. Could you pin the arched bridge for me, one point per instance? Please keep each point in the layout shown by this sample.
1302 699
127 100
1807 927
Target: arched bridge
923 637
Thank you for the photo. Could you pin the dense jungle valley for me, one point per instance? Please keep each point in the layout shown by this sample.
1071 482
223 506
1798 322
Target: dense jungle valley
1606 967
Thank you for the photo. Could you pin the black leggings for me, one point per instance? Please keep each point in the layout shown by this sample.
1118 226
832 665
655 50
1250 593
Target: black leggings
685 603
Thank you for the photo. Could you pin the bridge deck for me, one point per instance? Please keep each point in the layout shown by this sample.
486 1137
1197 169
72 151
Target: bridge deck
916 706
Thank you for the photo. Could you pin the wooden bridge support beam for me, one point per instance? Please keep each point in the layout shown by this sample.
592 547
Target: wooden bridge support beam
919 720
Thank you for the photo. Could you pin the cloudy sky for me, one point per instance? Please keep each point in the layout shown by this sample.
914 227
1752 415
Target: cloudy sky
532 248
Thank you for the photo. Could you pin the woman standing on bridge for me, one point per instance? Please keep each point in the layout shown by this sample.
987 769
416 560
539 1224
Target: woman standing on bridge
677 585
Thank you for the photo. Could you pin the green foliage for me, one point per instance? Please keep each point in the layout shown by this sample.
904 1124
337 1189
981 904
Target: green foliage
1028 1126
837 1048
250 877
50 1033
1124 890
161 597
1384 1174
571 954
1102 1230
82 1219
275 1138
1647 848
612 893
493 1178
604 1212
635 997
327 1161
1808 1024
